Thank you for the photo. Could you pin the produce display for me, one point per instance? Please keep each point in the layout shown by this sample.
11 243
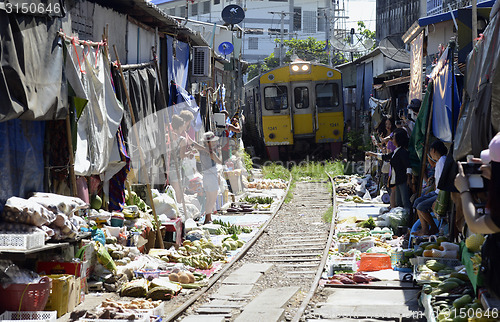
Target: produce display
229 229
258 200
267 184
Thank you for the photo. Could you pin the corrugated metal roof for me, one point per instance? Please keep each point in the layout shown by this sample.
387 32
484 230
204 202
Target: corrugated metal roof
447 15
149 14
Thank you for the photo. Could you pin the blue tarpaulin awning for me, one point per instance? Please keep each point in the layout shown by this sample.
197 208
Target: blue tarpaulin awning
445 16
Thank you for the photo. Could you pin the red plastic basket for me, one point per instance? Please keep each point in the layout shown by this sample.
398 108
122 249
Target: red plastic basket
374 262
25 297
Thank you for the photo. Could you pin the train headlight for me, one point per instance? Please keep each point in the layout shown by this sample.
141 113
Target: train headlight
336 132
295 68
272 136
305 68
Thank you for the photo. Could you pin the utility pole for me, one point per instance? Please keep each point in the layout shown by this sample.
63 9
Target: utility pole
283 14
327 14
474 21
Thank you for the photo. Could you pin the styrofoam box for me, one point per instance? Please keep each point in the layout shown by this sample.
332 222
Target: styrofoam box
45 316
22 241
362 246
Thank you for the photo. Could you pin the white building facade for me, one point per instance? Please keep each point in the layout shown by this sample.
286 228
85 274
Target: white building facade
262 23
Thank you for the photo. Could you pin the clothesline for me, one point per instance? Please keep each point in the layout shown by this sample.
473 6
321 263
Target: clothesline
81 42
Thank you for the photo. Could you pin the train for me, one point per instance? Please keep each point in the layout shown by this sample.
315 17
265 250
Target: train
294 111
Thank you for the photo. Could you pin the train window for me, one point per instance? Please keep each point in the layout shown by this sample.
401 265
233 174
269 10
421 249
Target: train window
327 95
301 97
276 98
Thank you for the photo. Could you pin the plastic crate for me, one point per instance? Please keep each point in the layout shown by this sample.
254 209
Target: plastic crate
451 262
45 316
342 264
157 311
22 241
139 318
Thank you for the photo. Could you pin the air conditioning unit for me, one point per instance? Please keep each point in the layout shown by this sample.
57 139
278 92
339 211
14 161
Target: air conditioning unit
201 61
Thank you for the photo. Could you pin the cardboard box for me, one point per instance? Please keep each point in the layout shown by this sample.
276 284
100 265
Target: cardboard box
62 285
72 268
74 294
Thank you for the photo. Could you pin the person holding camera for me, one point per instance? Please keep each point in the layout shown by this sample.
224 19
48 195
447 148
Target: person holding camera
489 222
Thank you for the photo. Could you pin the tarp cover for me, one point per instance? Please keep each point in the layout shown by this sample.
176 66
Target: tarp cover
446 103
480 117
21 158
98 123
32 81
148 133
417 138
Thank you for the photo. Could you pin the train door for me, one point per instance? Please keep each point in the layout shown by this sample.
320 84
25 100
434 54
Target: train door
276 121
329 108
303 110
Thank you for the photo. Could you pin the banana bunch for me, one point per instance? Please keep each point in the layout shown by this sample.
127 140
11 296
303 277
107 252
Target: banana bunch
476 262
230 229
200 261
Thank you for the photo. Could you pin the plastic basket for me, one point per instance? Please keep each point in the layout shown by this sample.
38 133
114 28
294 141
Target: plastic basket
45 316
374 262
139 318
342 264
25 297
22 241
451 262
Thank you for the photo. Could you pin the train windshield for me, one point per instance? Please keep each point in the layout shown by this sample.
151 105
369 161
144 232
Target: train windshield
276 98
327 95
301 97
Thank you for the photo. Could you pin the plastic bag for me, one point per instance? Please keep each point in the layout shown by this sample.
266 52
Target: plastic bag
26 211
105 259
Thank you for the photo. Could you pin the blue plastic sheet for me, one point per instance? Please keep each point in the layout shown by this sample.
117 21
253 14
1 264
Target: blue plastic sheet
446 102
21 158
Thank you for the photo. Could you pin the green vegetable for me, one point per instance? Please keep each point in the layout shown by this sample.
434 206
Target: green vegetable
462 301
369 223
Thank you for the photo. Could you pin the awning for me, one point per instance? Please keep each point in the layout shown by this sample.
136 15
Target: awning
445 16
397 81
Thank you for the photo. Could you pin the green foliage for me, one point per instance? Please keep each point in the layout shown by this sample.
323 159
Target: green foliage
308 49
355 141
328 215
316 171
275 171
247 161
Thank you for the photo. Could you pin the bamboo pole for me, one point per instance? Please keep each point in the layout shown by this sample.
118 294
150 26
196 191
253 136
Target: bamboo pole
72 177
141 156
426 145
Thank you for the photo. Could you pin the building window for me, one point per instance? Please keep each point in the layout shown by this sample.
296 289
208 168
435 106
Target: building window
254 31
194 9
274 31
216 2
171 11
206 7
280 0
182 11
297 19
310 22
321 19
253 43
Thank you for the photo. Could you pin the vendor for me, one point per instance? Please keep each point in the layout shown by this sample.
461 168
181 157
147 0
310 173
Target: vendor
178 150
489 223
423 204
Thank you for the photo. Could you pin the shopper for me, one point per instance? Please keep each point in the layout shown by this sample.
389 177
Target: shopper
177 146
209 160
423 204
400 168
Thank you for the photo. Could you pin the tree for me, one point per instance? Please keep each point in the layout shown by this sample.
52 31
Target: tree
308 49
367 34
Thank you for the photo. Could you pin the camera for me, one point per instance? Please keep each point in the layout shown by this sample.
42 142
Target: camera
473 173
471 168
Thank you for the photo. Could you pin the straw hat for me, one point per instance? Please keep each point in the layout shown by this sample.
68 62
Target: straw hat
209 137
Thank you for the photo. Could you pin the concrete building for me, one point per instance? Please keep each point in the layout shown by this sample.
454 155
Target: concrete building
262 23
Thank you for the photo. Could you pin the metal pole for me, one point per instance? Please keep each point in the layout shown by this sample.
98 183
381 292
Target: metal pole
474 21
282 36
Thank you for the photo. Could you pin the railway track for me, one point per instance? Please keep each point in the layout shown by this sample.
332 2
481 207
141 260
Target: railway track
276 275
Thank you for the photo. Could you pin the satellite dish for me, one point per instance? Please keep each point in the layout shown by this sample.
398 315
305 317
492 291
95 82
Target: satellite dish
233 14
351 43
226 48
